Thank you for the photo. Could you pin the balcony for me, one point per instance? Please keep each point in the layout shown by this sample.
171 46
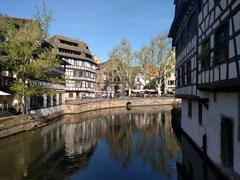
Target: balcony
79 89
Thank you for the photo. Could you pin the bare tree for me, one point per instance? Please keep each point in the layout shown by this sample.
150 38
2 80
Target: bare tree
120 66
156 61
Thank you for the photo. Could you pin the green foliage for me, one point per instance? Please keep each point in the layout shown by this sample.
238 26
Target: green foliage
24 56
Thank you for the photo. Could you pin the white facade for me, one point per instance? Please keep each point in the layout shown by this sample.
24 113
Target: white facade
80 73
170 84
207 38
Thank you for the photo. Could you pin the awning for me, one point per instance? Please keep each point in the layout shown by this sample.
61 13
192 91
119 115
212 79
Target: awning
4 93
150 90
137 91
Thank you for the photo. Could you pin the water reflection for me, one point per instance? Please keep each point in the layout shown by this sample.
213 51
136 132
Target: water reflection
136 144
193 165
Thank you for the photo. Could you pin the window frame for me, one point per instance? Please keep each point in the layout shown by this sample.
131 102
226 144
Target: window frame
218 60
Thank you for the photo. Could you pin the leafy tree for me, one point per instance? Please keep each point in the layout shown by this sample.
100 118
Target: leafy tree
26 58
120 66
156 61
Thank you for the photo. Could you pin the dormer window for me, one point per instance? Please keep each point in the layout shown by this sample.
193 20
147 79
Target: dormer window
68 43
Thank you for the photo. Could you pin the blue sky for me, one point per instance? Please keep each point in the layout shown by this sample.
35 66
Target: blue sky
102 24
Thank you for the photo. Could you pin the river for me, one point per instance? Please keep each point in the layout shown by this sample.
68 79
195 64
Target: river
103 144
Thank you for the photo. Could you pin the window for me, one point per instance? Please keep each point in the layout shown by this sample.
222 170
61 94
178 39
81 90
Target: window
68 43
70 95
221 44
54 100
172 82
76 73
205 55
192 26
178 77
48 101
75 63
200 5
183 75
189 73
83 84
189 109
60 98
88 55
36 102
200 113
78 84
69 51
216 2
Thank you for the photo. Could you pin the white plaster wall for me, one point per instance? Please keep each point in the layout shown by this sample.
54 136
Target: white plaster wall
227 105
191 125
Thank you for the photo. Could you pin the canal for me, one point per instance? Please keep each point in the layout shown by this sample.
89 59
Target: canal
104 144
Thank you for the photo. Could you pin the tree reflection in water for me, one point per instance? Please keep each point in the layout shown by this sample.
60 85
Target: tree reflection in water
147 135
67 147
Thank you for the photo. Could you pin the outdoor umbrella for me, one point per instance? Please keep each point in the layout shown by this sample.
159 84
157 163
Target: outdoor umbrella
4 93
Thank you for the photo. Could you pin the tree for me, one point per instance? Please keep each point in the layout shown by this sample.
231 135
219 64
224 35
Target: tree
156 61
25 57
120 66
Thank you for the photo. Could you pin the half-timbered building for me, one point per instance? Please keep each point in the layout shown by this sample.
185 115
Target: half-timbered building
206 36
81 72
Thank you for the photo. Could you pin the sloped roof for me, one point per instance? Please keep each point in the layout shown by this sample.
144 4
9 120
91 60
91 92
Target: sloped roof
7 19
81 47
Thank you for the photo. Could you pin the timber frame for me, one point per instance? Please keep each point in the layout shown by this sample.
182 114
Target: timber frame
211 16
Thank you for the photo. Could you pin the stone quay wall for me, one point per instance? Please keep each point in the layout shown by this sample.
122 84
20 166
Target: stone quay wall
114 103
41 117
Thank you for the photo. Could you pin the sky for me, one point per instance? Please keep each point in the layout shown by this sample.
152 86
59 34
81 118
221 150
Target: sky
102 24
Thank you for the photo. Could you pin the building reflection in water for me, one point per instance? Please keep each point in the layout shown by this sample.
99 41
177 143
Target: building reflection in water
66 147
193 165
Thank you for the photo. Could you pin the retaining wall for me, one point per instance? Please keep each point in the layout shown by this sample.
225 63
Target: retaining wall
40 117
83 107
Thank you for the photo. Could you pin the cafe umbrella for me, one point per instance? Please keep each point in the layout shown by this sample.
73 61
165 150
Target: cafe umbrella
4 94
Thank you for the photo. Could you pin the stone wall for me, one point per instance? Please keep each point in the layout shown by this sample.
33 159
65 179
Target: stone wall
16 124
79 108
40 117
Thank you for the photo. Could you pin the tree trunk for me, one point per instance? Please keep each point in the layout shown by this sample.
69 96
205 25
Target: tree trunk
23 105
129 92
159 90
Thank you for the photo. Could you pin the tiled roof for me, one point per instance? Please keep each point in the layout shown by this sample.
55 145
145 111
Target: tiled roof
80 47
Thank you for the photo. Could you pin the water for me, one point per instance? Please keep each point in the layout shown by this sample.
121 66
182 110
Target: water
107 144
